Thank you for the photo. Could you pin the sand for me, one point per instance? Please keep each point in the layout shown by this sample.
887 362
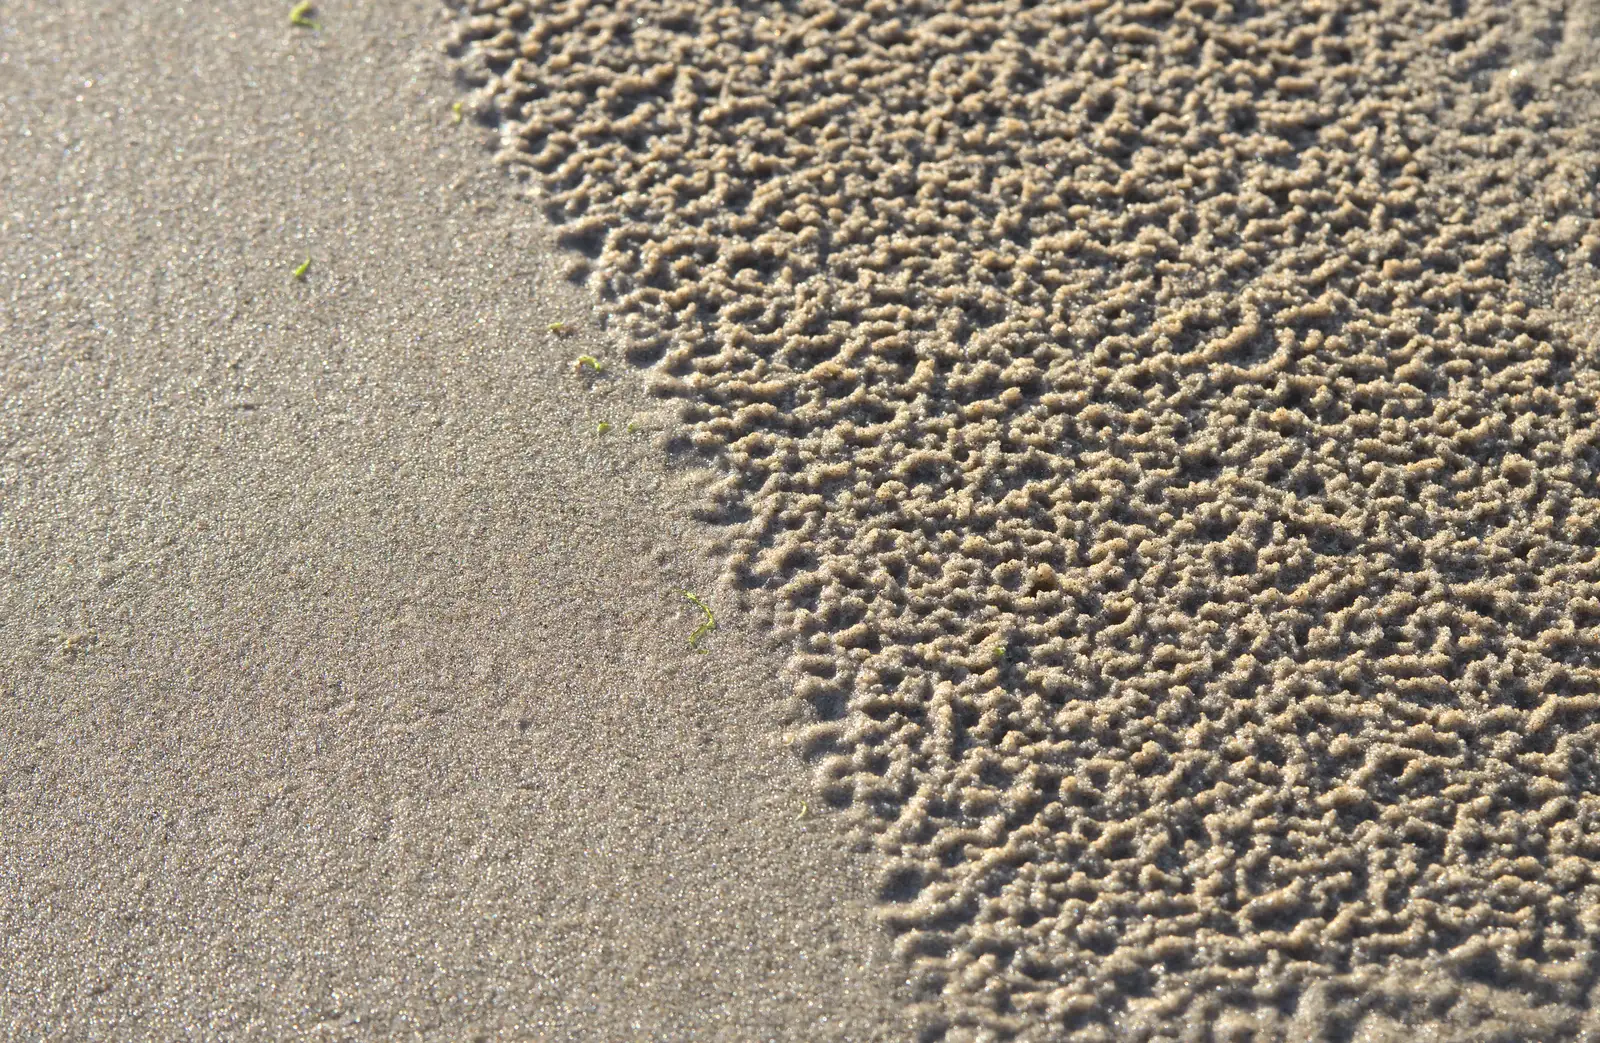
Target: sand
345 690
1143 457
1166 435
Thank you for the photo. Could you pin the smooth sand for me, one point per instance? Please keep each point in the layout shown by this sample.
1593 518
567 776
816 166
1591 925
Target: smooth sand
344 687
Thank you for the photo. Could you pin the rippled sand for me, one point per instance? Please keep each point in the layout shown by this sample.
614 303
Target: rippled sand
1164 438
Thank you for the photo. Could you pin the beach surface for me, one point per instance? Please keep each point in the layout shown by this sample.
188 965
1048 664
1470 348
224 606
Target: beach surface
1143 459
346 688
1166 433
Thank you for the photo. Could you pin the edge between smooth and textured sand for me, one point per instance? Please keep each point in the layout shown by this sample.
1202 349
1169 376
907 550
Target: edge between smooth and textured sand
346 692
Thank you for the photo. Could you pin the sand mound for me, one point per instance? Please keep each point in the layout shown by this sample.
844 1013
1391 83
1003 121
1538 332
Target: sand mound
1166 433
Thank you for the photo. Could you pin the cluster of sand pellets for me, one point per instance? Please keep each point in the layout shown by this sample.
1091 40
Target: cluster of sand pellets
1160 433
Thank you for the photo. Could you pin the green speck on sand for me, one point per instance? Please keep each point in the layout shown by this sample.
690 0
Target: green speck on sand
305 266
590 361
300 15
602 427
705 627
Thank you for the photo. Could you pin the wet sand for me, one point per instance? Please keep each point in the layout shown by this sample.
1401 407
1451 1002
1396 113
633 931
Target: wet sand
346 690
1143 458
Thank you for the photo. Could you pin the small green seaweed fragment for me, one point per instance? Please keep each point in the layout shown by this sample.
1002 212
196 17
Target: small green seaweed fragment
602 427
558 328
999 653
591 362
632 427
455 111
300 15
305 266
705 627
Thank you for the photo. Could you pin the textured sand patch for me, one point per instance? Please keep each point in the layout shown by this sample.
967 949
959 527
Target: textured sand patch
1166 434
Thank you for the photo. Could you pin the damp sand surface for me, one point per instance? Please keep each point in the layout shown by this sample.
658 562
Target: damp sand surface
1148 454
345 691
